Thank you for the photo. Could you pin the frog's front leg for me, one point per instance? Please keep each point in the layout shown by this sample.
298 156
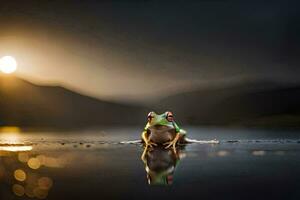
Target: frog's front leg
147 141
143 157
174 141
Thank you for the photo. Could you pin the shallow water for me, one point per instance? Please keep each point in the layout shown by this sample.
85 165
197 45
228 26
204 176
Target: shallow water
93 164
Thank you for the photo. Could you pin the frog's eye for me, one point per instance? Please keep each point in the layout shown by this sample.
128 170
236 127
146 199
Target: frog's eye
170 116
150 116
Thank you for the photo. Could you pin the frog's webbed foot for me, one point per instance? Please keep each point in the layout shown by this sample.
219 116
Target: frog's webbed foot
172 143
150 144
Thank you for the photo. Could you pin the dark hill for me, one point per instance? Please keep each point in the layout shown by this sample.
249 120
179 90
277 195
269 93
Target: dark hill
25 104
261 103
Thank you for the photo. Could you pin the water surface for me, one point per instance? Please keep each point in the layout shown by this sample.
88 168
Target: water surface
93 164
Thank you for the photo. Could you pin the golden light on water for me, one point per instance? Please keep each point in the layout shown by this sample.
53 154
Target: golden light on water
51 161
40 193
8 64
26 181
45 183
34 163
10 129
10 135
10 140
258 153
29 191
23 157
20 175
223 153
220 153
31 183
15 148
42 159
18 190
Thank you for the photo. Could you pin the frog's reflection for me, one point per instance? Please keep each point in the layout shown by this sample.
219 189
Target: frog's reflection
160 164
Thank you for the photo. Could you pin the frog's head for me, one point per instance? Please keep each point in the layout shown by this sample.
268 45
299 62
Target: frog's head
165 119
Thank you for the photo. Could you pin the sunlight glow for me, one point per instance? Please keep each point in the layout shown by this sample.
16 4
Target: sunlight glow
9 129
10 138
8 64
15 148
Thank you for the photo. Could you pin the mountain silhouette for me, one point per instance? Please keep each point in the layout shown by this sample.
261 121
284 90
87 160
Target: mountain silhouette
28 105
251 104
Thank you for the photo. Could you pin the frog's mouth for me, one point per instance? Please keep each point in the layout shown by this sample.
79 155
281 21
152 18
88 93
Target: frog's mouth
160 127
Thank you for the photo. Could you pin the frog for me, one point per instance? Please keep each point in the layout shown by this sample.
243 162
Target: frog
162 130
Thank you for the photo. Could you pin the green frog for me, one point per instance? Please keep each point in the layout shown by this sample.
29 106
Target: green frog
163 130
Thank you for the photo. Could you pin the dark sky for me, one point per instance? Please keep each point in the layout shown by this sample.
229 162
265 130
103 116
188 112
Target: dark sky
139 50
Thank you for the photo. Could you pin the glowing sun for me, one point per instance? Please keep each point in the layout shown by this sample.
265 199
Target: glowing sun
8 64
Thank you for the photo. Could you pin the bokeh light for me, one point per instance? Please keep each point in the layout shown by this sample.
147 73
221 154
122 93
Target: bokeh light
45 183
40 193
223 153
52 162
258 153
20 175
34 163
18 190
23 157
29 191
42 159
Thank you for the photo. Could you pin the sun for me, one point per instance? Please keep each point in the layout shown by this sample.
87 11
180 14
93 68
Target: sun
8 64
